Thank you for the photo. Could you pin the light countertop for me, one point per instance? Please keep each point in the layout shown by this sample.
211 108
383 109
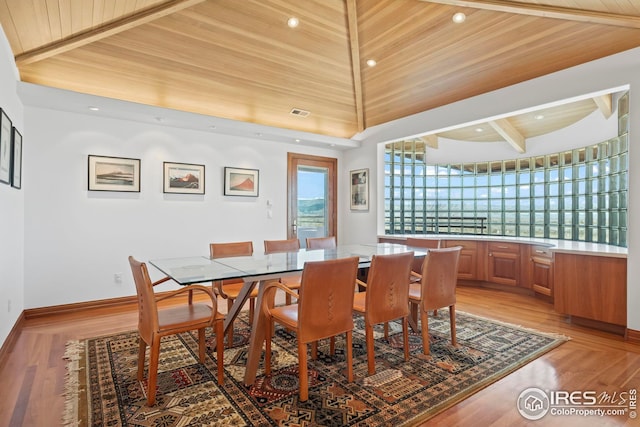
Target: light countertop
557 246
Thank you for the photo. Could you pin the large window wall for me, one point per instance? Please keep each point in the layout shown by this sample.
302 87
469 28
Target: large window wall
579 194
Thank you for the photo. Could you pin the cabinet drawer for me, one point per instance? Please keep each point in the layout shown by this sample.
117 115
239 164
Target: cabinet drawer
466 244
504 247
541 251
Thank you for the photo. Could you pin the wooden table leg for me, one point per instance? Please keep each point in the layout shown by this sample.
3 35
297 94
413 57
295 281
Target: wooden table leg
256 341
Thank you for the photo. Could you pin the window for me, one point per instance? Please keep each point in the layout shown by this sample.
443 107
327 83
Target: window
579 194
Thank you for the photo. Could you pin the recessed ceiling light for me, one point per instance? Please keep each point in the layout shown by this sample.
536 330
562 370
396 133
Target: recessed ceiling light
94 108
538 117
212 127
293 22
159 119
371 62
258 134
297 140
479 130
459 17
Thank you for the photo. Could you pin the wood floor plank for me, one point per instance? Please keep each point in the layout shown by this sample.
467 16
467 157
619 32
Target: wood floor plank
33 371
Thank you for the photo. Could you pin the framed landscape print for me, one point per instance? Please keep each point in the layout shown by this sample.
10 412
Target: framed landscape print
16 159
241 182
5 147
360 190
114 174
183 178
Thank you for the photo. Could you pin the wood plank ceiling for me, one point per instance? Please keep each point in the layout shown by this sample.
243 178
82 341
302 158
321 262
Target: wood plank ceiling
239 59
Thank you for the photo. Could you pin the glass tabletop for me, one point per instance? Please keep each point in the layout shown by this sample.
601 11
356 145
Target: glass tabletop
190 270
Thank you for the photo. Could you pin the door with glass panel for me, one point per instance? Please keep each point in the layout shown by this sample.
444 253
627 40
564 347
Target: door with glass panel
312 203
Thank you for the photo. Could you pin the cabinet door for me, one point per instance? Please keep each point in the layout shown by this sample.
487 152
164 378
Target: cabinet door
468 263
504 263
542 275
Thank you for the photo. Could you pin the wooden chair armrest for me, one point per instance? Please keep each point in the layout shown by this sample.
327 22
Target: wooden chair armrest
269 293
164 279
361 283
189 290
219 288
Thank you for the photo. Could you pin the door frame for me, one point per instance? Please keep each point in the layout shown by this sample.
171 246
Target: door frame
293 161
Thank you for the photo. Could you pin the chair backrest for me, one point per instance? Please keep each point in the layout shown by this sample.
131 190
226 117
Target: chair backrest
232 249
421 243
321 242
439 277
147 308
325 307
288 245
388 287
226 250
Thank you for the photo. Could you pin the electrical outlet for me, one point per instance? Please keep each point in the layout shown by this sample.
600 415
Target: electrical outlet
117 278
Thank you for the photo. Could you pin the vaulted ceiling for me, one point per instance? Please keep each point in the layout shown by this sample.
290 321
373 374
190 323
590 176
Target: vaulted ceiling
238 59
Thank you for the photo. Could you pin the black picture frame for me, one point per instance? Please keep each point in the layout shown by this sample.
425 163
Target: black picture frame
183 178
114 174
241 182
16 159
5 147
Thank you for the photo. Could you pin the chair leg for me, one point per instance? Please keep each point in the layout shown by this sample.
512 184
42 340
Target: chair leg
201 344
303 374
424 320
349 356
252 305
386 331
268 326
332 346
371 363
141 356
230 331
153 371
220 350
405 337
287 299
314 350
452 323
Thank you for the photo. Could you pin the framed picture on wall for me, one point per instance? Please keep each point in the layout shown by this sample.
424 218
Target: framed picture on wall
114 174
241 182
183 178
359 190
5 147
16 159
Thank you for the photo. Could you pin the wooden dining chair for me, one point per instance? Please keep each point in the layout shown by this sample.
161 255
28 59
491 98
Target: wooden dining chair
155 323
386 298
436 289
415 242
324 310
229 289
321 242
286 245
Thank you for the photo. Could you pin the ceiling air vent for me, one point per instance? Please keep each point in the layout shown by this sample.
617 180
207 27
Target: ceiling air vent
299 112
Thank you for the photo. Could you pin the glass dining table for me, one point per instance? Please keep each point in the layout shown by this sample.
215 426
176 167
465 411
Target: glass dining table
259 268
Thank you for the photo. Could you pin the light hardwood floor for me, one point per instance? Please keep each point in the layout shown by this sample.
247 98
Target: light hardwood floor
33 372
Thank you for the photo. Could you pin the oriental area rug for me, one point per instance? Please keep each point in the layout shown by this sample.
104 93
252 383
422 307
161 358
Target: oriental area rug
102 390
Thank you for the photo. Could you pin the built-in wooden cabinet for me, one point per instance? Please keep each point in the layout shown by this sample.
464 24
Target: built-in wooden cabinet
468 263
591 287
541 270
503 263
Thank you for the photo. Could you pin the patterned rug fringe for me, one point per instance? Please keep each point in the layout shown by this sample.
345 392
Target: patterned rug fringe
72 354
523 328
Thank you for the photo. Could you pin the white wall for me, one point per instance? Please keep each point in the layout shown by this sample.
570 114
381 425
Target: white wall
11 206
76 240
617 71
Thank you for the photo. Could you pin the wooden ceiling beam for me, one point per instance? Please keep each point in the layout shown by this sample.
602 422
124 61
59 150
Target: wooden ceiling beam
509 133
605 104
103 31
544 11
352 19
